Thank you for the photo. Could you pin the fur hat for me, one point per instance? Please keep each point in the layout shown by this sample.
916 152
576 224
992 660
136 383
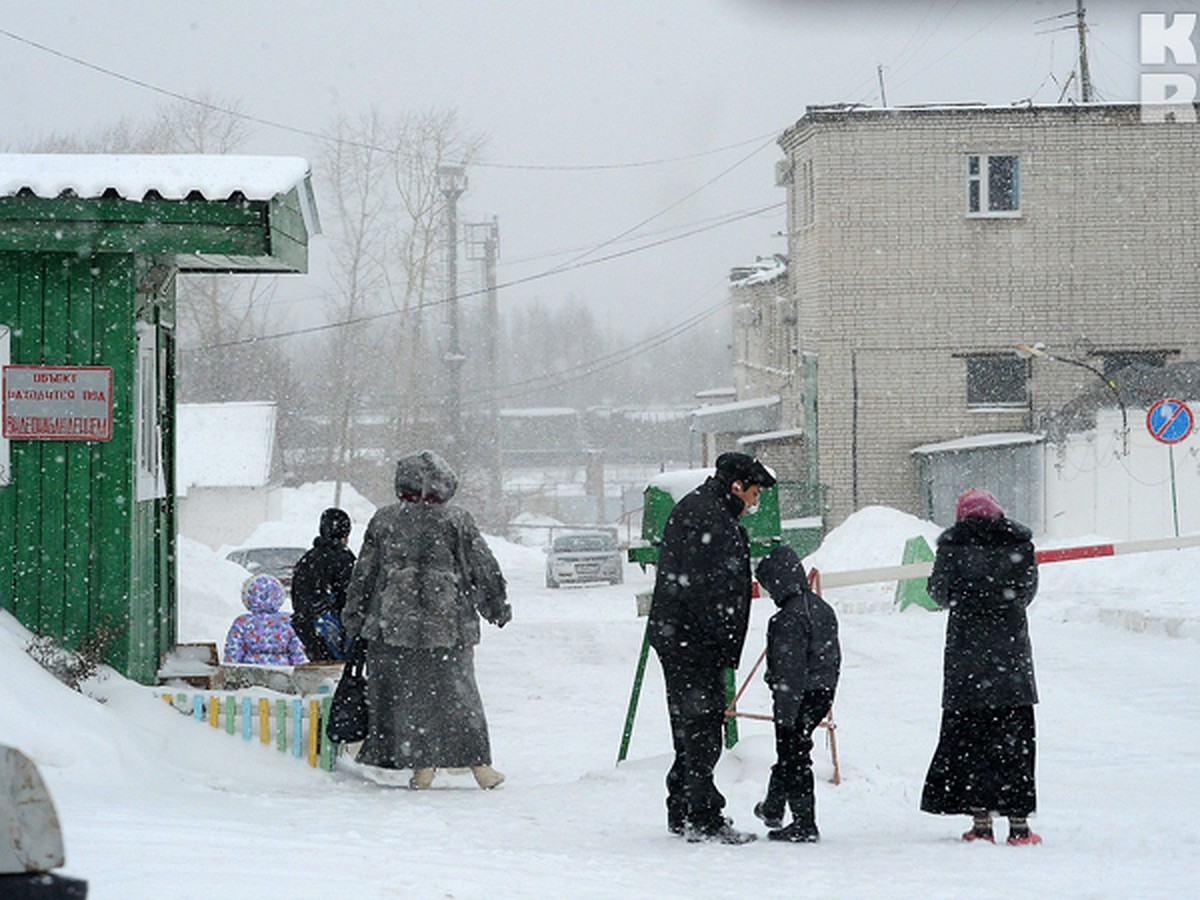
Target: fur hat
335 524
744 468
426 476
977 503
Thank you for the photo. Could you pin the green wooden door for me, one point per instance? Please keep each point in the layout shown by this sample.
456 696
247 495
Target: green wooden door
70 512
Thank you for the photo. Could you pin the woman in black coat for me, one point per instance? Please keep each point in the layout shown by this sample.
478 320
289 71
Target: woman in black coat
985 574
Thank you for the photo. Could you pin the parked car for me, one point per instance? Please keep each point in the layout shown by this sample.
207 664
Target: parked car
277 561
583 557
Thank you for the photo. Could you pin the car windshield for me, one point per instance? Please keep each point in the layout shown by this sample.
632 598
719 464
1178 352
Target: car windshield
270 558
584 543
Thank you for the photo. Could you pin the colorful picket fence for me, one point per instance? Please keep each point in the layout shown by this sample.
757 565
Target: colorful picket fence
296 726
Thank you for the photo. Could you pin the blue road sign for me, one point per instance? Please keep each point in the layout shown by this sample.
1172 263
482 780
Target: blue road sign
1169 421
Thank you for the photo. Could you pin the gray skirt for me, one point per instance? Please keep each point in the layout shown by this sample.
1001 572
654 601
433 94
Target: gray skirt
425 709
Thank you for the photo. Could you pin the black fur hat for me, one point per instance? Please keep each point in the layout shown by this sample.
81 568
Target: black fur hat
744 468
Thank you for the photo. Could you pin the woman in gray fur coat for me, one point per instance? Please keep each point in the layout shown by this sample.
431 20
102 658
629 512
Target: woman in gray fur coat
422 581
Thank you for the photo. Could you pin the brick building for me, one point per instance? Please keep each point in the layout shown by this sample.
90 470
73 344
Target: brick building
926 244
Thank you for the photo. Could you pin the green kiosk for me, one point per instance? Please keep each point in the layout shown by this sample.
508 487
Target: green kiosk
89 249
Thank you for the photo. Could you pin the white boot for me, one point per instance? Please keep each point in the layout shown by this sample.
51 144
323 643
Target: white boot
422 779
487 777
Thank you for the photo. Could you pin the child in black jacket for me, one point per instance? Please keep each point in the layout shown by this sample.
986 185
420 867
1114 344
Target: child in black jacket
804 660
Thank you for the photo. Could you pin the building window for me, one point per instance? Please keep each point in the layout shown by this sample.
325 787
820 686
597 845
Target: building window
997 381
1115 360
993 185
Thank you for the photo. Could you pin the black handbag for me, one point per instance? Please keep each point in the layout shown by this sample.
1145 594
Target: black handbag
348 713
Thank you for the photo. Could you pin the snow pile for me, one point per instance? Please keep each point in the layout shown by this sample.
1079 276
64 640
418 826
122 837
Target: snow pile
142 792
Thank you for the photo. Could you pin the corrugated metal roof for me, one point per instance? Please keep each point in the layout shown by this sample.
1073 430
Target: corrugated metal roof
136 176
171 176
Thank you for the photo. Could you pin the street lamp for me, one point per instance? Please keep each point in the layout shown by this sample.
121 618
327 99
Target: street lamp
1039 350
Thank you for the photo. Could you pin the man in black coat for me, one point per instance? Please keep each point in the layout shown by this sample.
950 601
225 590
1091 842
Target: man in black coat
319 584
697 626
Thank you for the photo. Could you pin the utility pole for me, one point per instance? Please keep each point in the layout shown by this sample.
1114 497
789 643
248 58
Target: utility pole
1085 80
1081 73
452 181
483 243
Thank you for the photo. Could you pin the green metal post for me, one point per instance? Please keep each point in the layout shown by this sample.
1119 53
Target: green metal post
281 726
327 754
731 729
633 697
912 591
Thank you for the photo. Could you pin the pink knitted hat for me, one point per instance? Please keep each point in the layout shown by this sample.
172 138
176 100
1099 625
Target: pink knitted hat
977 503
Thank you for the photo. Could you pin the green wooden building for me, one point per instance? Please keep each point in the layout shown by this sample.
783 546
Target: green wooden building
89 249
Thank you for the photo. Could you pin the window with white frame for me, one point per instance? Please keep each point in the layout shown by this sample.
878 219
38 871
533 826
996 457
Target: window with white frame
993 185
997 381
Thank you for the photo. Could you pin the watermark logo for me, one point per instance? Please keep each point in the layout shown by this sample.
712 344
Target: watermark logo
1168 96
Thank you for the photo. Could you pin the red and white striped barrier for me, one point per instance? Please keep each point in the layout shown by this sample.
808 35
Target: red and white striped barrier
1063 554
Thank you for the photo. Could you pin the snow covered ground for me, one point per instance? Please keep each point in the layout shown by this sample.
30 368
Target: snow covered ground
155 805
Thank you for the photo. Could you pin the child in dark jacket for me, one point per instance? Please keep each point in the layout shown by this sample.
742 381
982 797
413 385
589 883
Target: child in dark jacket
804 660
319 584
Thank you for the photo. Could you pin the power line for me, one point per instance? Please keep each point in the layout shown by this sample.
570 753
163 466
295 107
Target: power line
961 43
713 220
316 135
428 304
672 206
592 367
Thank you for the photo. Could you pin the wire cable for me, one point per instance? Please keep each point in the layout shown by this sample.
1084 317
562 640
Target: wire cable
304 132
428 304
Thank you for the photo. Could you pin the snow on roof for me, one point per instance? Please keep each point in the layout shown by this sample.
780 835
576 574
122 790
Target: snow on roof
759 272
764 437
680 483
1004 439
739 405
745 416
224 444
711 393
537 412
134 176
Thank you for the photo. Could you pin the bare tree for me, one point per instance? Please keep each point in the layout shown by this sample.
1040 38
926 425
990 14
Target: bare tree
425 142
384 230
358 168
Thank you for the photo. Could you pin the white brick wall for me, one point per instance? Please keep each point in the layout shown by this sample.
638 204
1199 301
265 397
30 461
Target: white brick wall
891 279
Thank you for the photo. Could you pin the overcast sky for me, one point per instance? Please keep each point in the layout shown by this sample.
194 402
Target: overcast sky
633 86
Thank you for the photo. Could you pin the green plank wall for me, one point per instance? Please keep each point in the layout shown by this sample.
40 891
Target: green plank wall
87 557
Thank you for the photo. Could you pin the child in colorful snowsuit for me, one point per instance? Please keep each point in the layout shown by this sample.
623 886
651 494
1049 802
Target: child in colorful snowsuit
264 635
804 660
